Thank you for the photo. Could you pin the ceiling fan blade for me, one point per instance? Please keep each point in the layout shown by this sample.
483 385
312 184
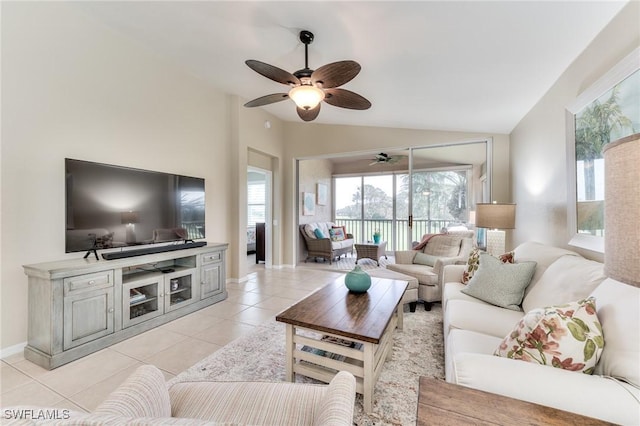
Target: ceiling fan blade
345 99
308 114
273 73
335 74
266 100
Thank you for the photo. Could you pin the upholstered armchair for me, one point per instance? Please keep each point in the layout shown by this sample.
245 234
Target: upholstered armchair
145 399
427 264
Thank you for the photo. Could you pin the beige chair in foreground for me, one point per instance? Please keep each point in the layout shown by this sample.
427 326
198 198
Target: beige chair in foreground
145 399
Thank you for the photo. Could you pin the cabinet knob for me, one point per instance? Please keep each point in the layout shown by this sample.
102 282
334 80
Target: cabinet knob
92 282
110 310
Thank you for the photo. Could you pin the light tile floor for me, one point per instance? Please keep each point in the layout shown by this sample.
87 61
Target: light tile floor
81 385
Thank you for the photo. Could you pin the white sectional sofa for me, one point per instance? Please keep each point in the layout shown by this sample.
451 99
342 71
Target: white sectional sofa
473 330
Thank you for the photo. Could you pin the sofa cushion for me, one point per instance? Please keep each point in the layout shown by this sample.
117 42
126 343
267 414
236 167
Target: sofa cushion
336 245
319 234
474 260
443 246
480 317
424 274
620 318
424 259
143 394
501 284
542 254
568 278
567 336
465 341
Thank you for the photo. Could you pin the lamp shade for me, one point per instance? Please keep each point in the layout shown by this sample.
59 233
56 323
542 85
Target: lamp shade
306 97
129 217
496 215
622 210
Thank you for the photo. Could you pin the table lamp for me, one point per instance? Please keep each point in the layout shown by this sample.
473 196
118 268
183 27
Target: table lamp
496 217
622 210
129 219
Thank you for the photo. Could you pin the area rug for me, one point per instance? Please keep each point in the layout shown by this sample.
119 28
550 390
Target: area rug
418 350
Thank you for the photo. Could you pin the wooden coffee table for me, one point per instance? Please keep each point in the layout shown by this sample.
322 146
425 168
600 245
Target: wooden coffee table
442 403
371 251
352 332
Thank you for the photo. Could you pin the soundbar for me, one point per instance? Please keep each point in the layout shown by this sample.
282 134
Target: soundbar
151 250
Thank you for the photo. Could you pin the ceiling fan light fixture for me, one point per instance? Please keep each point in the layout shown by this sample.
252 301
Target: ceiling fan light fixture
306 97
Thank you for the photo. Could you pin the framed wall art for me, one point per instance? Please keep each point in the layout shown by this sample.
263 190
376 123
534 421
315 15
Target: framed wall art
308 203
323 193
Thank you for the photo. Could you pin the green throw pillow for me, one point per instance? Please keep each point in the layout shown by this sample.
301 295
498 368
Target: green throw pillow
425 259
501 284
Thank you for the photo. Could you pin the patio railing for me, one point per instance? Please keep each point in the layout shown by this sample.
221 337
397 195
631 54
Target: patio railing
394 232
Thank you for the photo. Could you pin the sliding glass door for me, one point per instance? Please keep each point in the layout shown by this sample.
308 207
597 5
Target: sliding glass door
436 189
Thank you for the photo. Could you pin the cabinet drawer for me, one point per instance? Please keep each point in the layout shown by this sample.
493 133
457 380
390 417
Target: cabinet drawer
215 256
88 282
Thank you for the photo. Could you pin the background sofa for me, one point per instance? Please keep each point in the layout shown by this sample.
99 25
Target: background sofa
427 264
145 399
324 247
474 329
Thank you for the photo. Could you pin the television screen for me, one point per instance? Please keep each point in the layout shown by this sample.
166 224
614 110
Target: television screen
110 206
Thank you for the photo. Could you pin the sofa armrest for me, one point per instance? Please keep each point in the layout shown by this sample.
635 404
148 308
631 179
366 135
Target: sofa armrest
452 273
339 400
143 394
592 396
405 257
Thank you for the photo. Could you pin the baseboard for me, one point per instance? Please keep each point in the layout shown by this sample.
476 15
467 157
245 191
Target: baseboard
12 350
237 280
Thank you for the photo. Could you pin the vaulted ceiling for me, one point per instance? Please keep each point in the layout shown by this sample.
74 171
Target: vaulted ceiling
446 65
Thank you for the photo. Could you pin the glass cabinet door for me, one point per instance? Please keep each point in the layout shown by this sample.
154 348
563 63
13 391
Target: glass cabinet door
179 289
141 301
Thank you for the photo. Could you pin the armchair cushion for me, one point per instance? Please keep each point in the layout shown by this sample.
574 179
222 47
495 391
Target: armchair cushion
424 259
443 246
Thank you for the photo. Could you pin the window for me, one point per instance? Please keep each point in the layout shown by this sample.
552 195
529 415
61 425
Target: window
255 203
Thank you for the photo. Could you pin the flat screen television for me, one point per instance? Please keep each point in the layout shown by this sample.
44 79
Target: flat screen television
110 206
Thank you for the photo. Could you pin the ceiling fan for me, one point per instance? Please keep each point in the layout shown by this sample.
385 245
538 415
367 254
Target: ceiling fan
383 158
309 87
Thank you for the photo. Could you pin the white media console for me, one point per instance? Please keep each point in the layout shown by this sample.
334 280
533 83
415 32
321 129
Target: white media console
80 306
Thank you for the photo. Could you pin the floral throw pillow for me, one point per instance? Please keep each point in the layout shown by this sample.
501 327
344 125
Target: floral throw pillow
336 234
474 261
568 337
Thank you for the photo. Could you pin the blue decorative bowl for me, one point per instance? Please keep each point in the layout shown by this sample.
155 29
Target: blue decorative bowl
357 280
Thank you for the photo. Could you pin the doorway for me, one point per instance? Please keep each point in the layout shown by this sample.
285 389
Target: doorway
259 205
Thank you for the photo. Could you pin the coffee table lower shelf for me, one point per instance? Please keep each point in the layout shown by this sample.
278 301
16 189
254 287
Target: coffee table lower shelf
364 361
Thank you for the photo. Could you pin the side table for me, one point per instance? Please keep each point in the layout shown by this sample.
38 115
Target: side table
442 403
371 251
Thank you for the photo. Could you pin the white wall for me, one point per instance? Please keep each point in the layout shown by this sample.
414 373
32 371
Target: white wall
72 88
538 144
